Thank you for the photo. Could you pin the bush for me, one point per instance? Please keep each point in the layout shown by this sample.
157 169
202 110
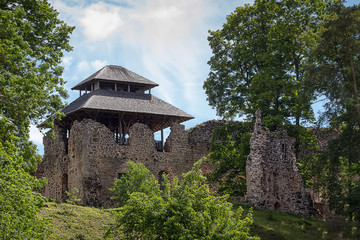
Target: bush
137 178
19 204
183 210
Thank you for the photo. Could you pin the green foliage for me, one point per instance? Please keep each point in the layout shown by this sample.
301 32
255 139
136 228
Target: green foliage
72 196
336 74
137 178
19 204
335 172
185 210
32 41
229 148
259 60
336 70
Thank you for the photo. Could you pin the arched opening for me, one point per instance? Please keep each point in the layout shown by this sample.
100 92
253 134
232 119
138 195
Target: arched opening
276 206
64 185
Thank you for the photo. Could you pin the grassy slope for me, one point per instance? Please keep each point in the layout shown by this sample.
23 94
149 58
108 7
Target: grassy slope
76 222
271 225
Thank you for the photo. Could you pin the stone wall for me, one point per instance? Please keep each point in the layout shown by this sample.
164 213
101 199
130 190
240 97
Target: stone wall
94 159
272 177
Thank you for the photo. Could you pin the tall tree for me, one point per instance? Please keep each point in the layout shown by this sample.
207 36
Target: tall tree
32 42
337 74
258 61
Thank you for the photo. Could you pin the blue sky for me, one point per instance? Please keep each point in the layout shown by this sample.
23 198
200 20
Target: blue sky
162 40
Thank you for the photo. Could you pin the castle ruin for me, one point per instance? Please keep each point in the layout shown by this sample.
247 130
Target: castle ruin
113 122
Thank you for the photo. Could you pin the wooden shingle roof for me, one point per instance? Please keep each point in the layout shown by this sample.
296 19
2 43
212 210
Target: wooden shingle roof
116 74
131 102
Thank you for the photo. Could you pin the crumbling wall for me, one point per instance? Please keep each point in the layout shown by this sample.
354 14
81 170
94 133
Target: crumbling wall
272 177
55 164
94 159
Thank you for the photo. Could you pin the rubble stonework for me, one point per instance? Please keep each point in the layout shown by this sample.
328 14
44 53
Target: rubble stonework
272 177
92 158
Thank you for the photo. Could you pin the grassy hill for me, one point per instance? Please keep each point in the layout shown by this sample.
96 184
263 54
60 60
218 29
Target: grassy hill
76 222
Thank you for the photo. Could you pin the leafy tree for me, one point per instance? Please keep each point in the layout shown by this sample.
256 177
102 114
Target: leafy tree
32 42
336 72
259 59
19 205
183 210
137 178
229 148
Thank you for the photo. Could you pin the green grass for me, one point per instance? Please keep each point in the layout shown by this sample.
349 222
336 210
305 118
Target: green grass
271 225
85 223
76 222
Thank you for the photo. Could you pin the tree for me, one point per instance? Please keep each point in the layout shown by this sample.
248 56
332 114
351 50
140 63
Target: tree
137 178
336 72
229 148
32 42
259 59
19 205
182 210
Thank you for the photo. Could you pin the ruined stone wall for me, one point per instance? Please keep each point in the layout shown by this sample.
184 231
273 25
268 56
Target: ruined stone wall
273 180
94 159
55 164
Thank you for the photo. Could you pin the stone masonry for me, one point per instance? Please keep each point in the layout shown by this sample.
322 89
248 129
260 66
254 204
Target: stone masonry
88 158
272 177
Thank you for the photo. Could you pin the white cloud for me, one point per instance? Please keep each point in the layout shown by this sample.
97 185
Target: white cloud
97 64
83 66
100 20
67 61
165 40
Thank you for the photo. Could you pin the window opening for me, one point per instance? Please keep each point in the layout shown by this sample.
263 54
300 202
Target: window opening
121 139
107 85
121 87
66 140
160 137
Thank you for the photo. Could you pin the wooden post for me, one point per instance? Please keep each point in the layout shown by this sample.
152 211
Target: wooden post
80 93
128 87
115 87
121 131
162 139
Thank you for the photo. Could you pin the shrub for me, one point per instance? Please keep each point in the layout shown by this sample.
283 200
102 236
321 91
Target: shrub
182 210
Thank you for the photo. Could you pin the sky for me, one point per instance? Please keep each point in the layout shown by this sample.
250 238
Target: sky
162 40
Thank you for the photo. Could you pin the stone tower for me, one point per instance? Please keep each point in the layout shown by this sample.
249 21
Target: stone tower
272 177
112 122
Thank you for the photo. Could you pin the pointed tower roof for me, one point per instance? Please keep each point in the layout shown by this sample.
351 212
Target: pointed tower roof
116 74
